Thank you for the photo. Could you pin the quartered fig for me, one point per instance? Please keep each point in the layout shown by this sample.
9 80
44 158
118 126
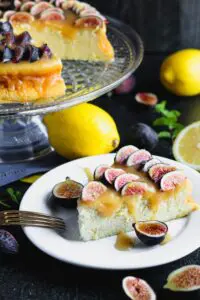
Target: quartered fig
134 188
143 136
138 157
37 9
52 16
45 51
151 232
99 171
54 9
170 180
184 279
8 243
150 163
126 86
67 192
92 191
157 171
123 153
18 54
22 17
27 6
6 27
123 179
6 55
137 289
23 38
146 98
89 21
111 173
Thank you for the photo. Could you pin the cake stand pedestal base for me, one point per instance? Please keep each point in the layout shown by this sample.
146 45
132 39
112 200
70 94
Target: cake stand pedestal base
22 139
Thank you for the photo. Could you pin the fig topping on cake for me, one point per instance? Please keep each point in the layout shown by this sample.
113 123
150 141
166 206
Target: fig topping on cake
52 16
37 9
21 17
89 21
27 6
16 48
157 171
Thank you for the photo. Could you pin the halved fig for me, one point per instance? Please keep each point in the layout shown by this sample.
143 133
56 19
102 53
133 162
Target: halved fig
99 171
38 8
151 232
123 179
170 180
67 4
157 171
146 98
27 6
89 21
54 9
52 15
17 4
23 38
137 289
150 163
134 188
111 173
67 192
184 279
138 158
123 153
22 17
8 14
92 191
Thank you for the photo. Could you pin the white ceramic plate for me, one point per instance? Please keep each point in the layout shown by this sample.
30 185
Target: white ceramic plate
102 253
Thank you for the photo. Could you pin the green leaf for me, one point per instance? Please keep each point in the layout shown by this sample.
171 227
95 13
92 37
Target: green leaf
164 134
160 107
163 121
12 194
4 204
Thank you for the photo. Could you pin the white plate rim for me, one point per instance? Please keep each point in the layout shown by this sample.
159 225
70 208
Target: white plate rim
193 219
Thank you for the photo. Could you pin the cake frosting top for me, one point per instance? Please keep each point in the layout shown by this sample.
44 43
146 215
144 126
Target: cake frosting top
17 48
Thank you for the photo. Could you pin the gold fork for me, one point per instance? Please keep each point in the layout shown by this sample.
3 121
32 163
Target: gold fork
28 218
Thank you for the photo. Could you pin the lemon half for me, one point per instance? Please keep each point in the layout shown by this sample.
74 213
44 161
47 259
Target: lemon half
186 148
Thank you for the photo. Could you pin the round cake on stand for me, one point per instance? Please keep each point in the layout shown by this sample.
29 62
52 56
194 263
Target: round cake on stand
23 135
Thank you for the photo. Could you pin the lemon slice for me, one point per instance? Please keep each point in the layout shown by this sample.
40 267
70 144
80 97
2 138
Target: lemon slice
31 179
186 148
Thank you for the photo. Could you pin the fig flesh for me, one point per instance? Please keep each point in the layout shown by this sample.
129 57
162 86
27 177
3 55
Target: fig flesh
134 188
170 180
92 191
146 98
112 173
138 157
150 163
157 171
123 179
184 279
99 171
124 153
67 192
150 232
137 289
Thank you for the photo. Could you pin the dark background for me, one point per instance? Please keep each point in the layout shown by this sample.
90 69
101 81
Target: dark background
165 26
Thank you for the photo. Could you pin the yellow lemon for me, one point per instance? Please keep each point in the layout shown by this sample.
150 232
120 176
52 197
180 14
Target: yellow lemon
186 148
82 130
180 72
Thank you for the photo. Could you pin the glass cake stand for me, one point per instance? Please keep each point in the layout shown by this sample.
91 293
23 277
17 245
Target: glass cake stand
22 133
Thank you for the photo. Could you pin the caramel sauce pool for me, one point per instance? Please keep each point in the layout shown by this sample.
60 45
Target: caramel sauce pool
124 242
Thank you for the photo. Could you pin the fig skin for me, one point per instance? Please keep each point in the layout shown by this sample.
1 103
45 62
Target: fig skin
70 202
138 158
175 280
143 136
99 171
154 238
137 288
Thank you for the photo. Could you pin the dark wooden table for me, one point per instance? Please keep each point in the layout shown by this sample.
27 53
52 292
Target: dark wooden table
33 275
